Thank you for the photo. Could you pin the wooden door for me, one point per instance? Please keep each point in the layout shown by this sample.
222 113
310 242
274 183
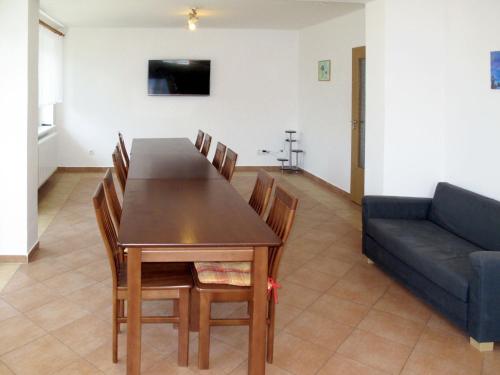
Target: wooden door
358 124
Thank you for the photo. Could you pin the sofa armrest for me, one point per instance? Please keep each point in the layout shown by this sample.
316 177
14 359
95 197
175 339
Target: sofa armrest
383 207
484 296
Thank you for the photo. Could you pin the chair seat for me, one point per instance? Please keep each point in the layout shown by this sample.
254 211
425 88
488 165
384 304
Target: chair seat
160 276
223 275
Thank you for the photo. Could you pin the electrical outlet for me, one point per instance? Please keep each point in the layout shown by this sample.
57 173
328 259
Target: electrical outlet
91 152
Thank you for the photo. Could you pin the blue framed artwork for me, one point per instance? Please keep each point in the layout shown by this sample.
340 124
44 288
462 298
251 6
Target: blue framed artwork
495 70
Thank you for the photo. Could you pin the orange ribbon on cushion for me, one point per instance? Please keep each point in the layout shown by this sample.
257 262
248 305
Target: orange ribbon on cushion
272 287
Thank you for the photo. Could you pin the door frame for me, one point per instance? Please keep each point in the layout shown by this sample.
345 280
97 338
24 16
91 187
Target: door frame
357 173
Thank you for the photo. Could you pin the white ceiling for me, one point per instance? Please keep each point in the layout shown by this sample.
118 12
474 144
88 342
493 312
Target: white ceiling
270 14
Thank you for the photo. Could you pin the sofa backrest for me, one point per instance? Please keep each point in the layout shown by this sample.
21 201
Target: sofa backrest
468 215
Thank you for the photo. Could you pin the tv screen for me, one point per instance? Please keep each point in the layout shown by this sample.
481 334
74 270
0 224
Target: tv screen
179 77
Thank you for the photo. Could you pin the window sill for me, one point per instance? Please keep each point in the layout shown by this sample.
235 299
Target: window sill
44 131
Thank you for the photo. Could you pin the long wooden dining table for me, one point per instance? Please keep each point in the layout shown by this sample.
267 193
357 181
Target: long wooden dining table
177 208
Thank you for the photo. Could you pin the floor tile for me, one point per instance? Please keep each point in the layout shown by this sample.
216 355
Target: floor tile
452 347
297 295
16 332
312 278
4 370
16 282
298 356
68 282
375 351
56 314
31 297
80 367
6 310
270 370
427 363
392 327
318 330
339 310
44 356
84 335
404 305
339 365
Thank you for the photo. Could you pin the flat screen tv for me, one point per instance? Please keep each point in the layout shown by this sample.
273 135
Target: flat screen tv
179 77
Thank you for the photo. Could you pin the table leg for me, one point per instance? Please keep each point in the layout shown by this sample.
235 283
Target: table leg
134 303
257 345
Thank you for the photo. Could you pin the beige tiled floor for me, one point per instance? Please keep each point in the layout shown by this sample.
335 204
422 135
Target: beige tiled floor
336 314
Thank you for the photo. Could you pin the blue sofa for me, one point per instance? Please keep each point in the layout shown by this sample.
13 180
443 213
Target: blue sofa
446 250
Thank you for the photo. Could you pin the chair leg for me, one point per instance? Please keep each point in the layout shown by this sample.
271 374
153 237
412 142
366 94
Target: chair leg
204 333
176 311
183 328
270 331
194 321
115 330
121 312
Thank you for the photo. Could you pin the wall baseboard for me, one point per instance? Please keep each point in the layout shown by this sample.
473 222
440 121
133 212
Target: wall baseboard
257 168
327 185
83 169
21 258
305 173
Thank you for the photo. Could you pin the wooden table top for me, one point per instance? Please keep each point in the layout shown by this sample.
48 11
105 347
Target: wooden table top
168 158
180 203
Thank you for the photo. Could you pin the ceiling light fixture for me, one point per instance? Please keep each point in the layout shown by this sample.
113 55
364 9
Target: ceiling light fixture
193 19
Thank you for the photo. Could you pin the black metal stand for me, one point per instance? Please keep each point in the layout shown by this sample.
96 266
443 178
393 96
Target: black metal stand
291 167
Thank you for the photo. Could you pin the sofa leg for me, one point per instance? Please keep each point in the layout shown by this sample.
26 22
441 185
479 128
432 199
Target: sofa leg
369 261
482 346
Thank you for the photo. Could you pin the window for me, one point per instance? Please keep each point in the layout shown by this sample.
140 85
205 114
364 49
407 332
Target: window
50 62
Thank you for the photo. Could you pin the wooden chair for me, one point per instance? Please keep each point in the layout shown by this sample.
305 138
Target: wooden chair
261 192
123 150
199 139
159 281
280 219
206 144
220 152
229 164
119 168
114 204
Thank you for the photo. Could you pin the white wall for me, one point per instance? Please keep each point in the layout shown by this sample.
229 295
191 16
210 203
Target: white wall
253 93
19 108
440 116
375 94
325 107
473 109
405 78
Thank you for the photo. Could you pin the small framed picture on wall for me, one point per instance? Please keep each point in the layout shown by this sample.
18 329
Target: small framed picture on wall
324 70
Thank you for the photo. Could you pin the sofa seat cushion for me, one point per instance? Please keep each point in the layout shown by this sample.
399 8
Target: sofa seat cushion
439 255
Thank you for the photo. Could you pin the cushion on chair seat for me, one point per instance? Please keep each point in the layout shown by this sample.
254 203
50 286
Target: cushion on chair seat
228 273
439 255
160 276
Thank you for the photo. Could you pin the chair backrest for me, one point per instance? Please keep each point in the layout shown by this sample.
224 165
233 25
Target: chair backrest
261 192
119 168
199 139
229 164
108 232
280 220
123 150
114 204
206 144
220 152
